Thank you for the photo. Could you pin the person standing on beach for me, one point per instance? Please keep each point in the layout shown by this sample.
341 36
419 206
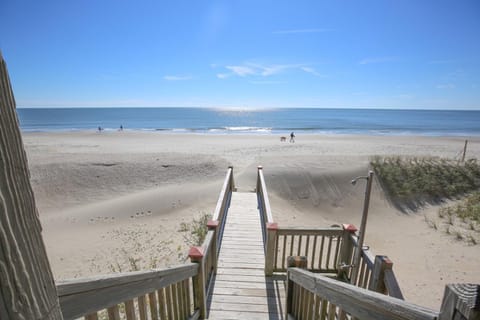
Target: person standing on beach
292 137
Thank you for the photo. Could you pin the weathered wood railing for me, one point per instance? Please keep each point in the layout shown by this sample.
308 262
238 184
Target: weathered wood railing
264 206
313 296
171 293
327 250
156 294
375 272
206 255
321 246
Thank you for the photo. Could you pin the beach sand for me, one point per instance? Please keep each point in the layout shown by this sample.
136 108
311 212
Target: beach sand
114 201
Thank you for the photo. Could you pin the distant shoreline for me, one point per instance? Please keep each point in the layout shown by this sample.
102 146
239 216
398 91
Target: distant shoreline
256 132
372 122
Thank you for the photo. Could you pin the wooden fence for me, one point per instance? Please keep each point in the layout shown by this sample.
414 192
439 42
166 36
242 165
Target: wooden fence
314 296
170 293
327 250
156 294
206 255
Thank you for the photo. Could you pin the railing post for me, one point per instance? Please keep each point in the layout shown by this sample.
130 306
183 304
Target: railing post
461 302
232 182
258 178
346 252
377 279
292 262
213 225
199 293
297 262
270 245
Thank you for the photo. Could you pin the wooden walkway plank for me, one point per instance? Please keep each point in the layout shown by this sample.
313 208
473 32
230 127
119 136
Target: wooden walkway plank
241 290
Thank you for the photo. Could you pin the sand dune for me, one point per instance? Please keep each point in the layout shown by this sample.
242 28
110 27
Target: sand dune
107 200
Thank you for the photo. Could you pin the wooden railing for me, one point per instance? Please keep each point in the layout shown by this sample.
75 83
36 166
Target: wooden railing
313 296
321 247
156 294
374 272
206 255
263 204
171 293
327 250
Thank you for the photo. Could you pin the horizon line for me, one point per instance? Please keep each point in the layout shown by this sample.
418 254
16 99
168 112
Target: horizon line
253 108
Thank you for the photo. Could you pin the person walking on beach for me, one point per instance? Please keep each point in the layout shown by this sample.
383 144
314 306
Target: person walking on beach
292 137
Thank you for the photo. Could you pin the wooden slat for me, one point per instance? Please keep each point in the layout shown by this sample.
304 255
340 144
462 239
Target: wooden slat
130 310
328 232
169 302
246 300
113 313
142 307
229 315
241 289
152 302
162 304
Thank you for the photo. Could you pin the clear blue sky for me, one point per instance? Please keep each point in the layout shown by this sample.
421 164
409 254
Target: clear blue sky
387 54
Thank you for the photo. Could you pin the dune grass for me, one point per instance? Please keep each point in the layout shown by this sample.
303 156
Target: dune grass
411 183
468 210
195 232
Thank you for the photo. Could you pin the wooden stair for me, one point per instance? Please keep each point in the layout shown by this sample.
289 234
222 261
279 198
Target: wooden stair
241 290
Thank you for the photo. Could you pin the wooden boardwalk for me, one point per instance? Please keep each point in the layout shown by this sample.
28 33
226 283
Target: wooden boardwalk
241 290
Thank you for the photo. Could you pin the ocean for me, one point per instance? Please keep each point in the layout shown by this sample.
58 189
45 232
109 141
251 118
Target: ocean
262 121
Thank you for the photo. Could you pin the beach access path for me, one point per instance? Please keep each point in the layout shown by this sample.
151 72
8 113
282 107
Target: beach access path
241 290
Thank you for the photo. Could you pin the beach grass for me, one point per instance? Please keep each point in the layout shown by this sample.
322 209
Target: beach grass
194 232
411 183
468 210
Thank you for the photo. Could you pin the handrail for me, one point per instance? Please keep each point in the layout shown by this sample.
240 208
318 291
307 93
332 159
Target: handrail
223 203
312 295
227 187
263 197
391 284
81 297
206 255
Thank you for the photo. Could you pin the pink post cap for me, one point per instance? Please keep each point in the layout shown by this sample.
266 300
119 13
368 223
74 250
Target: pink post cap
212 224
195 253
272 226
349 227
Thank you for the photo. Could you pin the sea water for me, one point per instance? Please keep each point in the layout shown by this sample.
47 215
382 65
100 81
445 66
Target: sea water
259 121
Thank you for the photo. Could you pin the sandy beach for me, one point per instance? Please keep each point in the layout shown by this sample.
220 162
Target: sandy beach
114 201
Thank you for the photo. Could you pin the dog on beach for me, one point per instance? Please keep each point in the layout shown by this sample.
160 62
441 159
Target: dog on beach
283 139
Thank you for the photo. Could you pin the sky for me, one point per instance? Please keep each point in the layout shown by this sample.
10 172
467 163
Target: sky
404 54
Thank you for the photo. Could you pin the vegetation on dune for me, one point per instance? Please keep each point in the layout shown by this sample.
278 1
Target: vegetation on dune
460 219
413 182
467 210
195 232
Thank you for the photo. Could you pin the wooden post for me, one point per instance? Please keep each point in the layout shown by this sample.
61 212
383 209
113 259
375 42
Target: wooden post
460 302
199 292
232 182
213 225
464 151
297 262
292 262
377 278
346 252
27 287
271 239
363 227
